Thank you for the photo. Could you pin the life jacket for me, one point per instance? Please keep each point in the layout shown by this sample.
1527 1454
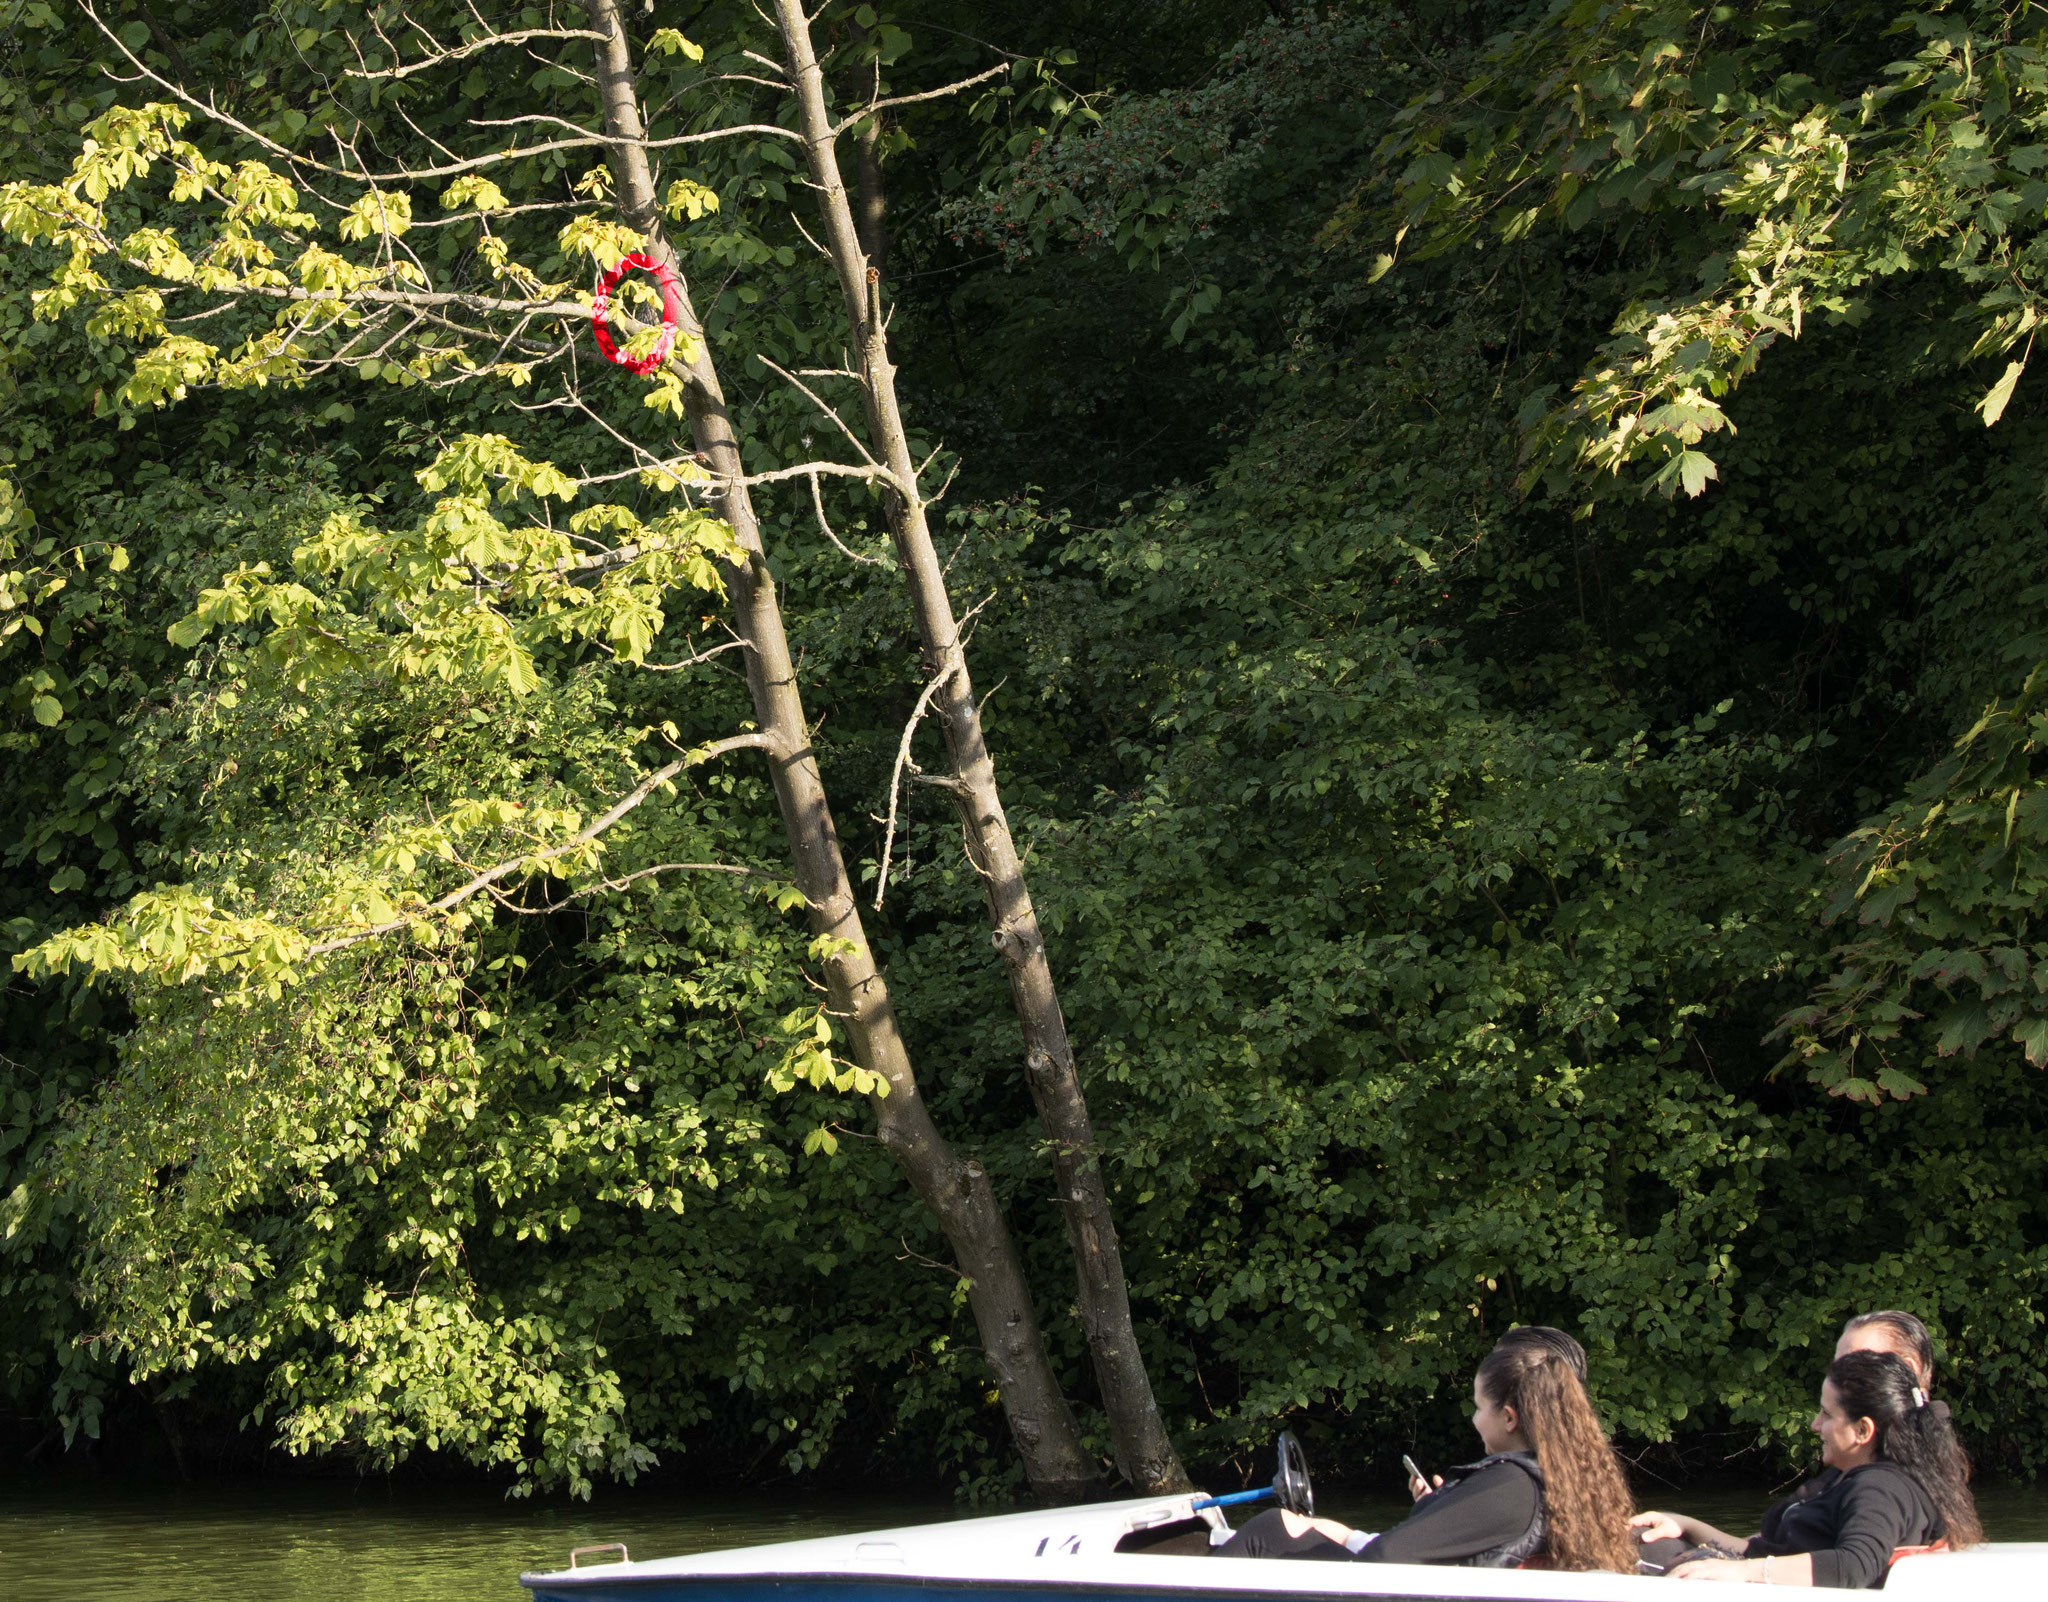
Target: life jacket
1525 1550
1916 1551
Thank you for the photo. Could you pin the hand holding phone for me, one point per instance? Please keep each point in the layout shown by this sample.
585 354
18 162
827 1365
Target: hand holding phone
1418 1482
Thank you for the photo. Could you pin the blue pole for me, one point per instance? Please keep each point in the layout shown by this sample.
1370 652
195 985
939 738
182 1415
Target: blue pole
1234 1498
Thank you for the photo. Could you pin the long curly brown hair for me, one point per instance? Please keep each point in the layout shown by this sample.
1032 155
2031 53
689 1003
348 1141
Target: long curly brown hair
1586 1502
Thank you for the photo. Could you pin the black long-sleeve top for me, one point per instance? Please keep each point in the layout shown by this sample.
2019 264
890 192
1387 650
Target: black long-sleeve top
1849 1524
1490 1508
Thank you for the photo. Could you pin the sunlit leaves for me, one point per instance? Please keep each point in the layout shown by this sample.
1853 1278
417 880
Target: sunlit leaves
250 241
689 199
808 1059
1809 193
605 241
460 596
475 191
377 213
670 42
174 934
477 462
164 372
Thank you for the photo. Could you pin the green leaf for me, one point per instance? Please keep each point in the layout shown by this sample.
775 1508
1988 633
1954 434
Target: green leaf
1992 406
1695 468
670 42
1964 1029
48 710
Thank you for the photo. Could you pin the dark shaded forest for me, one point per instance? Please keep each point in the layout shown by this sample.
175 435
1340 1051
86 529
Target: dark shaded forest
1500 548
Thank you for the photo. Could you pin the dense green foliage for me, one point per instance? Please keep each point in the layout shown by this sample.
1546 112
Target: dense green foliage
1501 863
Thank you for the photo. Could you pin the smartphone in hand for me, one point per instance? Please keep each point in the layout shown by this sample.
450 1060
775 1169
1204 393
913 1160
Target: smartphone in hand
1415 1475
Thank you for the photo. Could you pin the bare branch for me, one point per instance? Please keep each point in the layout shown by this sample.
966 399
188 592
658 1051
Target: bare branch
903 761
209 109
645 144
818 505
735 77
456 219
475 45
692 661
779 475
554 65
874 106
837 420
800 228
648 459
164 42
939 494
830 469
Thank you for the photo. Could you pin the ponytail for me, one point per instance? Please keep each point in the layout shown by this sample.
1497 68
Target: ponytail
1915 1435
1586 1502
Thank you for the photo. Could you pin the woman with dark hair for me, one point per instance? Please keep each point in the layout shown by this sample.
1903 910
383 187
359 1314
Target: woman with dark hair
1548 1491
1902 1481
1886 1330
1889 1330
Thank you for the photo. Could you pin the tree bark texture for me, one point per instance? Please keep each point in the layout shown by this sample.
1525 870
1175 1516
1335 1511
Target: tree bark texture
1144 1452
956 1189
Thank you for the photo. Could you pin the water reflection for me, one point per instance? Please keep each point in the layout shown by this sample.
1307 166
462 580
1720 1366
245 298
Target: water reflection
325 1543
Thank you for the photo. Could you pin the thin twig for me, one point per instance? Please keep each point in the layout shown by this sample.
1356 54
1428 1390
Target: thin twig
838 421
903 761
874 106
818 505
474 46
692 661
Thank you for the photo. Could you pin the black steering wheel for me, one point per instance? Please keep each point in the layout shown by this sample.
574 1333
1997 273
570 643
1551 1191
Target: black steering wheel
1291 1488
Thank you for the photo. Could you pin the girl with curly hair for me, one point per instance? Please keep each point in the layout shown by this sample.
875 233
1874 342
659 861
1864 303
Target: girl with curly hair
1548 1493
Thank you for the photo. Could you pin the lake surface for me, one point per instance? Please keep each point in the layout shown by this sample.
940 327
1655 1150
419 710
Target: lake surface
328 1543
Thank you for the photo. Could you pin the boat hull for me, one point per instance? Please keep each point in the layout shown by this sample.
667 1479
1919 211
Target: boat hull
1099 1554
929 1588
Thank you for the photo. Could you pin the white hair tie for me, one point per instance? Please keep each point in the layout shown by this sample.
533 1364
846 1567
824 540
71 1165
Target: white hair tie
1919 1397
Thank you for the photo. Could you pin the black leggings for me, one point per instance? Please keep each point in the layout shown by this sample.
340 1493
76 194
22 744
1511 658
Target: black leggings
1664 1556
1266 1537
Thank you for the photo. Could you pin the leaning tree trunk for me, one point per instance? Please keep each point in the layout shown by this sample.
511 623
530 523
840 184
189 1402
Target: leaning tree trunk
956 1189
1144 1452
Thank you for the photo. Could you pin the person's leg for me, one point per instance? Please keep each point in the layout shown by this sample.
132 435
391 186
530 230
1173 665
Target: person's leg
1664 1556
1266 1537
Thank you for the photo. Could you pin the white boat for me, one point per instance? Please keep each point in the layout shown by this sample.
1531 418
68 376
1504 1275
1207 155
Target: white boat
1156 1548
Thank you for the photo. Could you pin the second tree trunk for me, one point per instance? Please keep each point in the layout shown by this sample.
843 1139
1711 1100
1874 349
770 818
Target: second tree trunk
1144 1452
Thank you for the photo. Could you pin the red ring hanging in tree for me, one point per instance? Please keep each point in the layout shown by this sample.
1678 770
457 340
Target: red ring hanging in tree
671 311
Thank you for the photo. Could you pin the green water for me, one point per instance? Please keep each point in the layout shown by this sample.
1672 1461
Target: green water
322 1543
